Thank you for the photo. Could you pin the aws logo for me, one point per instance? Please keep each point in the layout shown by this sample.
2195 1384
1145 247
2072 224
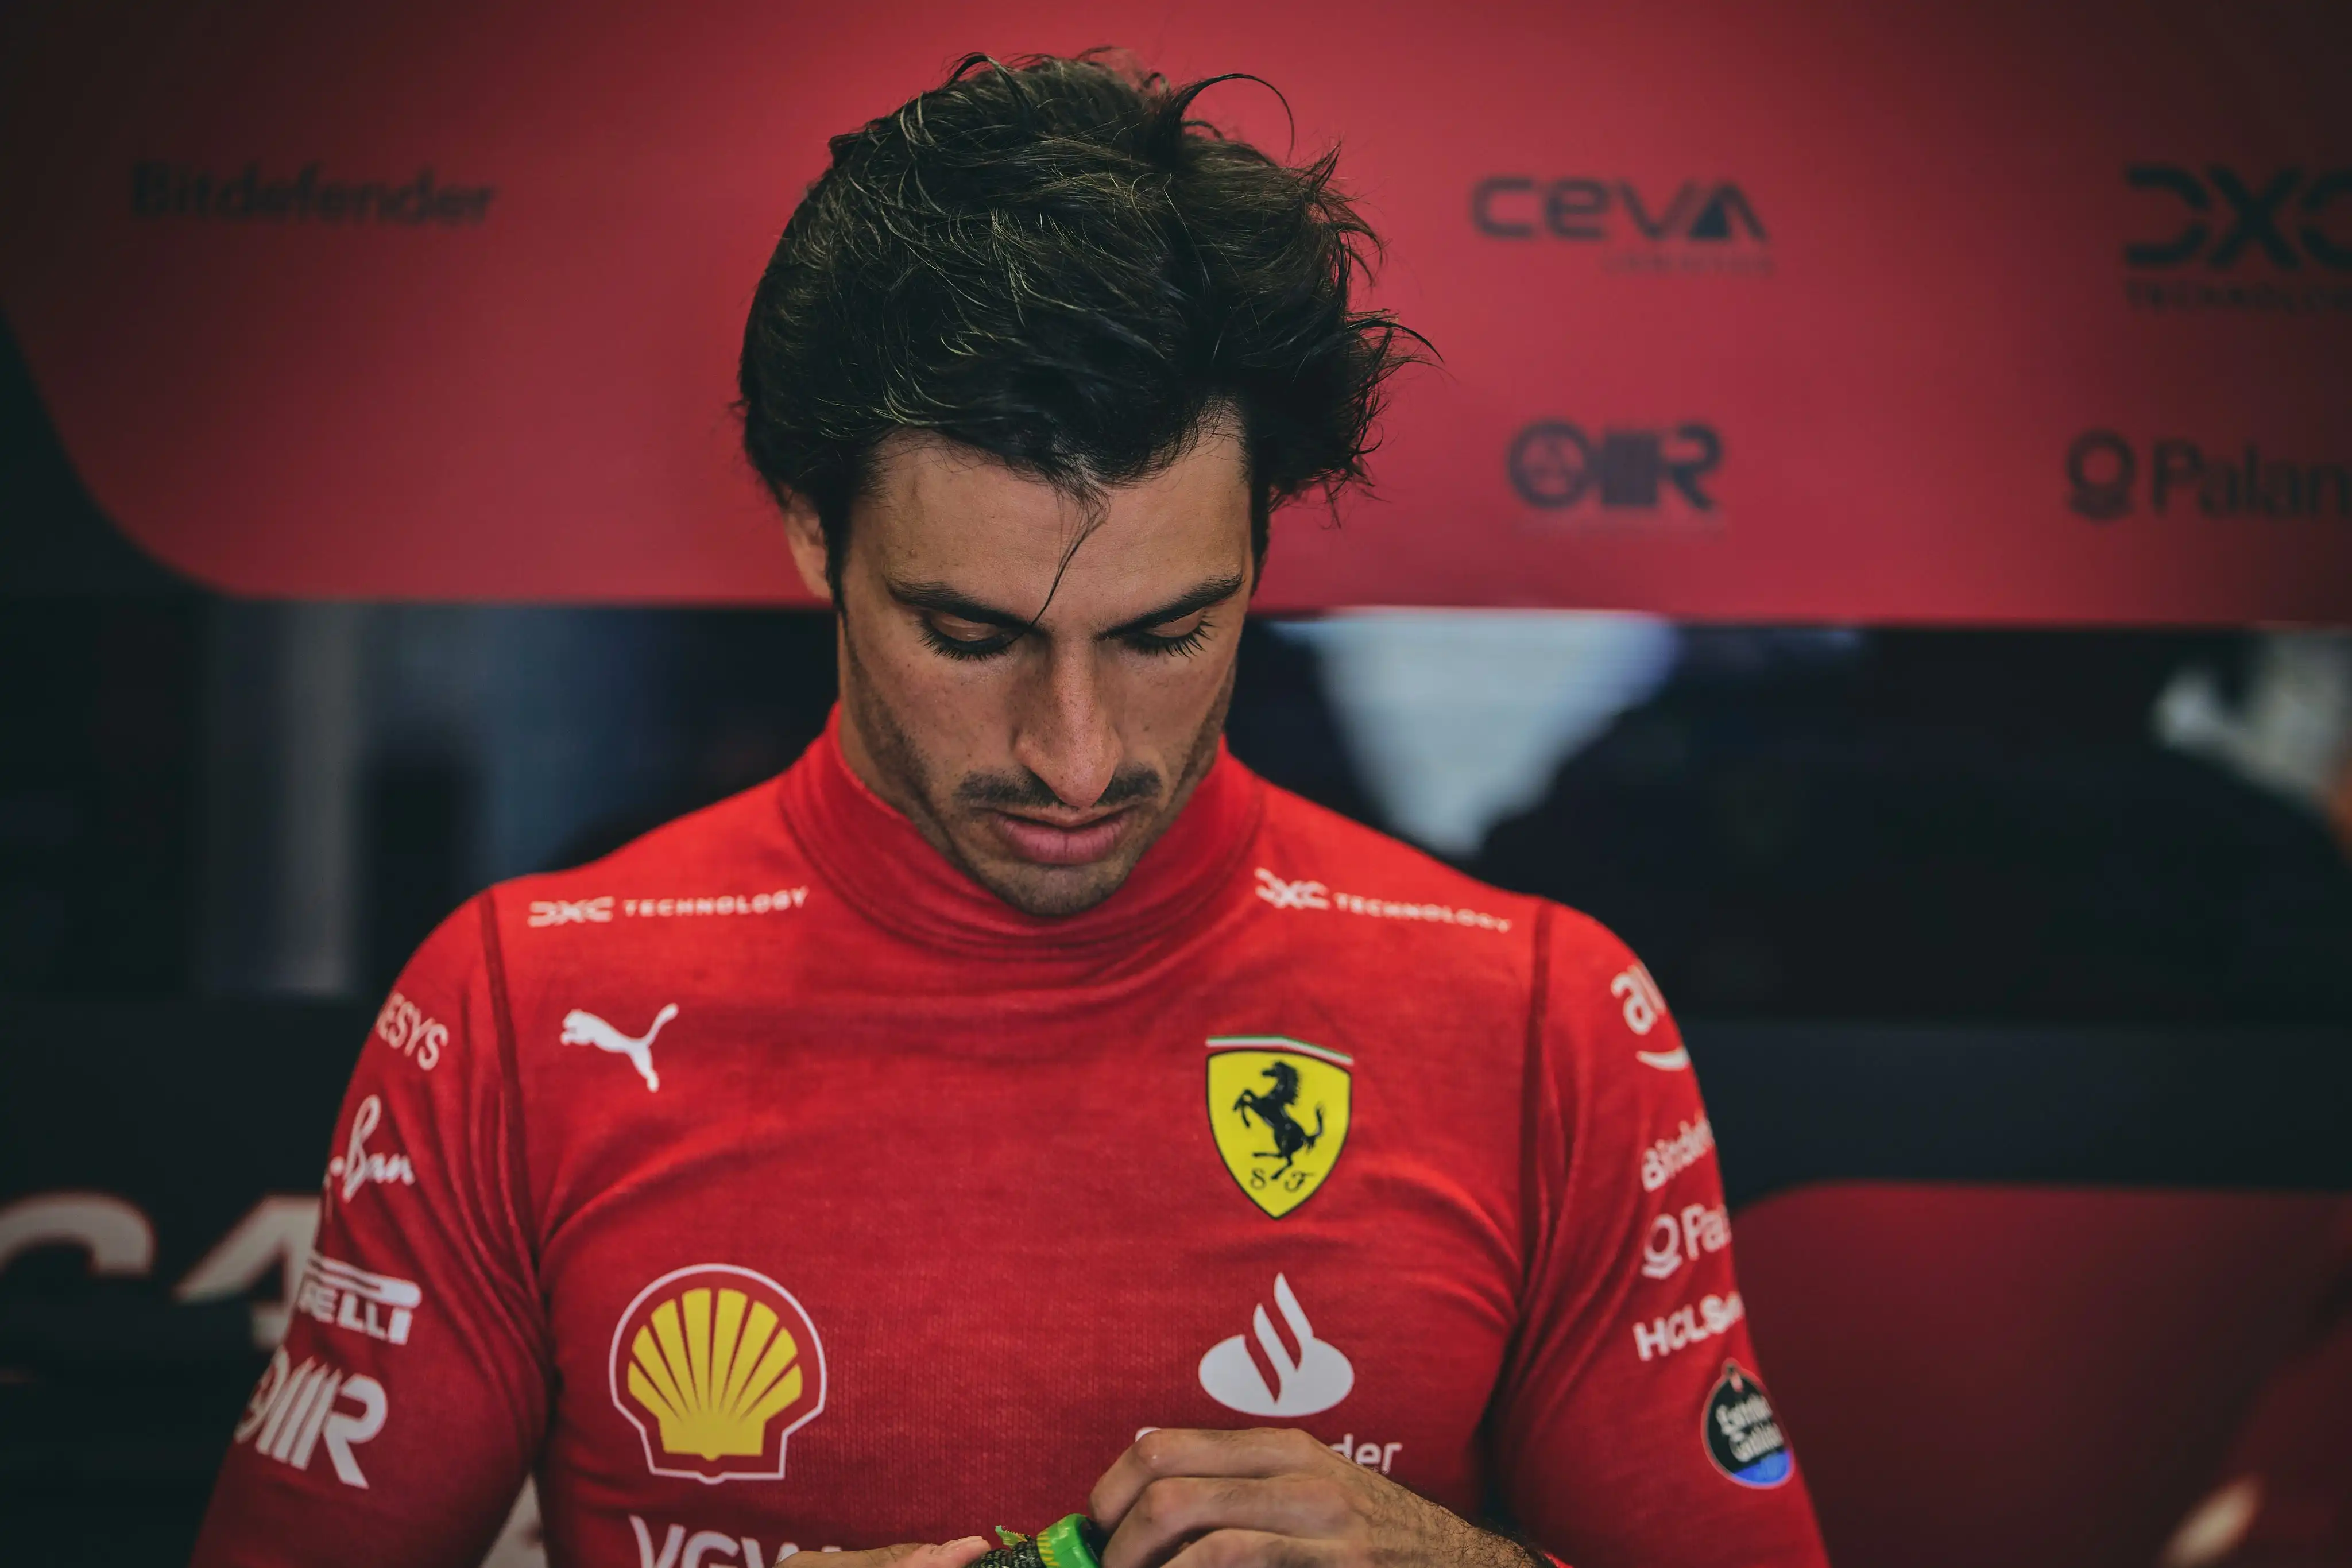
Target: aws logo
716 1366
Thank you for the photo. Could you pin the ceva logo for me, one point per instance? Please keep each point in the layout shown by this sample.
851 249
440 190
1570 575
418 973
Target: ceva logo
1699 226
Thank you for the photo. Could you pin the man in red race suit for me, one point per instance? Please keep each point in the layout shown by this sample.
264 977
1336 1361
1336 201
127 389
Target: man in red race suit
1018 1105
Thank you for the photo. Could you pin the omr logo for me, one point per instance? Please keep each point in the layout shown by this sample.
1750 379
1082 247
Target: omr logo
716 1366
1554 465
2281 217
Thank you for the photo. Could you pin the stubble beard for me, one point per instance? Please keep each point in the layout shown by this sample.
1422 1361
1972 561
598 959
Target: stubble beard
909 783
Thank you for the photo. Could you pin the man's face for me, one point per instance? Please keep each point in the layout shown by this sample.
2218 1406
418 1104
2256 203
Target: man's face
1040 734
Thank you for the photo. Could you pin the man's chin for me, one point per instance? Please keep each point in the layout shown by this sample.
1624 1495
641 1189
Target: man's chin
1051 891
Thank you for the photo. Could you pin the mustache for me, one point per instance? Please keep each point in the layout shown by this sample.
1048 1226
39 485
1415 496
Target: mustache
1012 791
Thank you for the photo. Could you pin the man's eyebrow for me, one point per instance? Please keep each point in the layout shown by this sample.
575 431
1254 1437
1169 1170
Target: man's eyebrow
941 600
1215 590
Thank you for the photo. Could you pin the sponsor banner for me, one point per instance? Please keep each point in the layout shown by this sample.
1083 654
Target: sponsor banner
1675 1239
1701 357
716 1366
1263 1373
359 1166
1668 1157
376 1305
1707 1318
1278 1110
299 1412
1743 1437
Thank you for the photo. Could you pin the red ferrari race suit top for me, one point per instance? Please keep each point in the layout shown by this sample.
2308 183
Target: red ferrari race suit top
770 1186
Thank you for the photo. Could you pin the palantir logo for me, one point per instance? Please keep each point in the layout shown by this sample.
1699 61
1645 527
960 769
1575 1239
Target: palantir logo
2277 226
1554 465
2103 479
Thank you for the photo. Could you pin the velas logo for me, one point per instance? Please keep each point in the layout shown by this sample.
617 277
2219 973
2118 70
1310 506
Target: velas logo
2104 471
1742 1436
2219 237
1278 1110
1559 466
165 190
716 1366
1696 226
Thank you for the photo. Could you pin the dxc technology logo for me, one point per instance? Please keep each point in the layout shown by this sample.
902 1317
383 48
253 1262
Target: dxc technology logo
1700 228
1556 465
2240 242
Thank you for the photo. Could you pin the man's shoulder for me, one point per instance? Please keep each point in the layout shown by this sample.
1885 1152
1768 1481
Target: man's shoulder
1314 860
728 861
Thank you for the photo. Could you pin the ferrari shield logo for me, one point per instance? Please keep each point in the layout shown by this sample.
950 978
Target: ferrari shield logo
1279 1110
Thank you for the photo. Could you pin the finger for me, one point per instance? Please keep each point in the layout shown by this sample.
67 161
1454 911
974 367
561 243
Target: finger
1253 1549
914 1554
1188 1451
1174 1510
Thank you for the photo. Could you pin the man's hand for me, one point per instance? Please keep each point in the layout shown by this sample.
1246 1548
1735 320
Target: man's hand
909 1554
1273 1499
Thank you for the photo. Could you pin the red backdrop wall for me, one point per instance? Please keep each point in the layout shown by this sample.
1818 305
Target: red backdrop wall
1950 312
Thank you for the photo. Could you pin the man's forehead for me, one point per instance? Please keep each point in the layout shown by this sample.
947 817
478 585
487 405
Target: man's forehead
946 515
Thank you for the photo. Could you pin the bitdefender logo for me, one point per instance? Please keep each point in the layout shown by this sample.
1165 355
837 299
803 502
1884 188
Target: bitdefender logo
167 190
2104 472
1703 227
2223 238
1628 474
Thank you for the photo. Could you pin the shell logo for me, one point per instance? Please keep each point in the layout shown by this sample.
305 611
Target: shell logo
716 1366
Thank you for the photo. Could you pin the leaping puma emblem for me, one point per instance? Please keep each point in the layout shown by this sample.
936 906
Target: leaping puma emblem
582 1027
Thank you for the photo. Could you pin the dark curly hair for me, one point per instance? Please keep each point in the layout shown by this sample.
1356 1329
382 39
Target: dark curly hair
1051 262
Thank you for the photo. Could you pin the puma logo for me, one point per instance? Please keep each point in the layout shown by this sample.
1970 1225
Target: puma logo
582 1027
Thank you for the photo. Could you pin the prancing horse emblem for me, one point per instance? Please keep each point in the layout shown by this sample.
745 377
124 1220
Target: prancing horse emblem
1273 1108
1278 1109
580 1028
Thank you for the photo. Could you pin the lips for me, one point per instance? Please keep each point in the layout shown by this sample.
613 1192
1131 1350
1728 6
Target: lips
1046 844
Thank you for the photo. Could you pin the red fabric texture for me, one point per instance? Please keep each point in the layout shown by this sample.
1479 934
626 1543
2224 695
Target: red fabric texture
770 1186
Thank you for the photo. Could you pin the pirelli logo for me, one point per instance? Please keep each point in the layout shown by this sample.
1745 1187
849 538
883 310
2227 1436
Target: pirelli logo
376 1305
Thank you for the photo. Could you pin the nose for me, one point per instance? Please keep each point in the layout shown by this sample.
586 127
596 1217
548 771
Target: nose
1068 734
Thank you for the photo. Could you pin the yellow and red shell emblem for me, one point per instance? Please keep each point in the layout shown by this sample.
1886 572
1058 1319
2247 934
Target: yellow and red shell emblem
716 1366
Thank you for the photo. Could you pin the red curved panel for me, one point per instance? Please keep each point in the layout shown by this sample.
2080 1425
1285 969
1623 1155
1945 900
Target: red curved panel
2043 1376
1951 312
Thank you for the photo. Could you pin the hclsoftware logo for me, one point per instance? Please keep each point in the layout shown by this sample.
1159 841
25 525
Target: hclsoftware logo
1558 467
1700 226
2277 240
2105 470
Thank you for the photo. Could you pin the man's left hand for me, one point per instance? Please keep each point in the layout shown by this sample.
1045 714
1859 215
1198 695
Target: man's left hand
1273 1499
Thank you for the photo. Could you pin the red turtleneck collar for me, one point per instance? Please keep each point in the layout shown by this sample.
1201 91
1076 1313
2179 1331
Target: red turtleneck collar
875 858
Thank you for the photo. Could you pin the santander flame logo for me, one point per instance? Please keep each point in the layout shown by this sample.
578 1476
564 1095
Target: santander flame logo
1314 1377
716 1366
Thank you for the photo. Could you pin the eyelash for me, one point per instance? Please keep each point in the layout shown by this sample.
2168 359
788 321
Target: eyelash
1185 646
